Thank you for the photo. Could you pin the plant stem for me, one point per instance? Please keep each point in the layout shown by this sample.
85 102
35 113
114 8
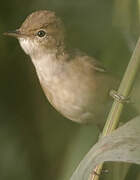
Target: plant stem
124 90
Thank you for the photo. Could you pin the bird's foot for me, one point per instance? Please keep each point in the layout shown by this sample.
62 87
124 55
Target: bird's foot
120 98
94 173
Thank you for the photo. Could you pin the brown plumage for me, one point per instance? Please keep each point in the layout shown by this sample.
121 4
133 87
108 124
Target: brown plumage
74 83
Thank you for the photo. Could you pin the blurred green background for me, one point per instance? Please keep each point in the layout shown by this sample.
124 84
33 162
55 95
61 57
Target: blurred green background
36 142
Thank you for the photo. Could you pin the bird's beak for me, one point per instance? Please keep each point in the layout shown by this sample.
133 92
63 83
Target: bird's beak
15 33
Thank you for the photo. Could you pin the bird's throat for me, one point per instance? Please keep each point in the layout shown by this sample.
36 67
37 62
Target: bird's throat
48 67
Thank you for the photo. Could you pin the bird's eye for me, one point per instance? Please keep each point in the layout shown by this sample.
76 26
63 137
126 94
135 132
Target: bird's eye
41 33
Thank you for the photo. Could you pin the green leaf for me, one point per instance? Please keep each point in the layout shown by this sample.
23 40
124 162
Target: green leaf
122 145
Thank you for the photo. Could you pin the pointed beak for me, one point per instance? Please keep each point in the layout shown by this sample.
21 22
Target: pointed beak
15 33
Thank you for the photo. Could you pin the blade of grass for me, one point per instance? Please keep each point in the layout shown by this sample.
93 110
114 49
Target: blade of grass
124 90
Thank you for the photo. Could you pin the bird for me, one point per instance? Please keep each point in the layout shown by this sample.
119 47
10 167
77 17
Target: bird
75 84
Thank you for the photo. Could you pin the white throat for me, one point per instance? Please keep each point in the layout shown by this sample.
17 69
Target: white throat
48 69
27 45
45 62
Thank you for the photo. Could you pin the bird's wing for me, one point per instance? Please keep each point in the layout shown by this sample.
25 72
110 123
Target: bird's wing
98 67
87 60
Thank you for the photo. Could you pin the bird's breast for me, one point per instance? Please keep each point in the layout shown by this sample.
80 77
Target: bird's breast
73 95
68 96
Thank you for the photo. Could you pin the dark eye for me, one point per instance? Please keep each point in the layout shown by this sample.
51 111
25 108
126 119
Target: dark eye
41 33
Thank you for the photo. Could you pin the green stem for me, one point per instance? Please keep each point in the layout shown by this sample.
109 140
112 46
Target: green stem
124 90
